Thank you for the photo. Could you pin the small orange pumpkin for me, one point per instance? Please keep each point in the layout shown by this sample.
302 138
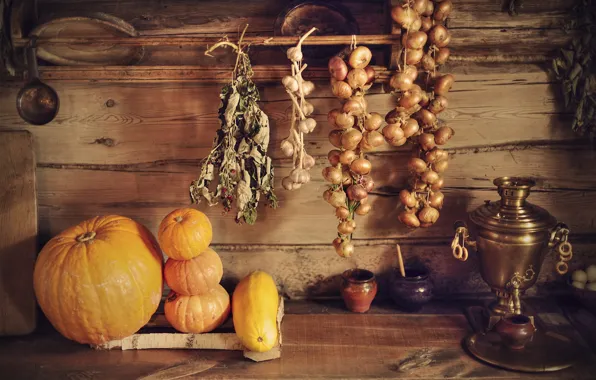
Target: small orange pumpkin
100 280
195 276
198 314
184 233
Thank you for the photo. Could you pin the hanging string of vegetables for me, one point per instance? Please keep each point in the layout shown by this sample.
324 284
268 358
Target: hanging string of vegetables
355 132
421 96
239 154
301 122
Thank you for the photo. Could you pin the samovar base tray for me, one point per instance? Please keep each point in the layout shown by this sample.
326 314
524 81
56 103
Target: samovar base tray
547 352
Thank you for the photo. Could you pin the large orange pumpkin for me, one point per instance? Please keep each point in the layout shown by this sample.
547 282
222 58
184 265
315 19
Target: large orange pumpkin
195 276
184 233
198 314
100 280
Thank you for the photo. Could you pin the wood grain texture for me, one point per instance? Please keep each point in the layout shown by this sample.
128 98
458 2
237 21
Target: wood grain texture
18 233
317 346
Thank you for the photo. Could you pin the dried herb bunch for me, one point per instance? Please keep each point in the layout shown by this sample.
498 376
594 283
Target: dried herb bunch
354 133
239 155
301 122
575 69
421 92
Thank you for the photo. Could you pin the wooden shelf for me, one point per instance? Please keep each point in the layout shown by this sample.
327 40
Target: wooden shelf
382 39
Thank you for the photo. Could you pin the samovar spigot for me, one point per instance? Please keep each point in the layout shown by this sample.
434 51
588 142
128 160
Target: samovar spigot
460 240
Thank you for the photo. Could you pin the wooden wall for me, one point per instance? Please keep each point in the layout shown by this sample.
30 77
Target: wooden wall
132 148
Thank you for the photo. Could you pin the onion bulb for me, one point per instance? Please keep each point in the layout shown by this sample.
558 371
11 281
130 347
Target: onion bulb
370 72
440 166
308 161
428 215
429 177
407 199
344 121
398 142
401 81
332 116
443 84
287 183
393 132
411 72
416 25
409 219
333 157
342 90
416 185
419 6
443 10
438 104
428 11
350 139
414 56
307 108
428 62
443 134
342 213
416 165
337 245
357 78
414 40
360 57
373 121
427 23
404 17
347 156
425 118
337 199
356 192
338 68
426 141
345 228
363 209
290 83
410 127
411 97
346 178
436 200
307 125
333 175
435 155
353 107
367 182
287 148
437 185
361 166
373 138
442 55
439 36
346 249
335 137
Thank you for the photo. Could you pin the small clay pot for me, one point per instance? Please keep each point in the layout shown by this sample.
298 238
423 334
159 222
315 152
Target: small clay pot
411 292
358 289
515 331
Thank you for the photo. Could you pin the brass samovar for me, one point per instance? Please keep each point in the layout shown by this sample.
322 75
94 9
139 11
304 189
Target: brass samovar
513 237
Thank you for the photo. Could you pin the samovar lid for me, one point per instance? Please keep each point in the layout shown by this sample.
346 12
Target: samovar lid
513 213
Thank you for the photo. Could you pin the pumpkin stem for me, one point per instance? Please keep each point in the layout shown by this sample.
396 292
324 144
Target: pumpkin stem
259 339
178 219
86 236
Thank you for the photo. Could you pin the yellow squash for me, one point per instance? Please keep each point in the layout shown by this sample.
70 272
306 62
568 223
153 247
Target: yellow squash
254 308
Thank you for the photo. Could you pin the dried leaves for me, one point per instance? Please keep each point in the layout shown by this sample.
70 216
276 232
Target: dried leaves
239 154
575 70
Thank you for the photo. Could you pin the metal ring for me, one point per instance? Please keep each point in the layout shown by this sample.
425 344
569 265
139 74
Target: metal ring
562 267
465 254
458 252
565 249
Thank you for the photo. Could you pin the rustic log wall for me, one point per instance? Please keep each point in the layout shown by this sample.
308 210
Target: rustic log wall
132 148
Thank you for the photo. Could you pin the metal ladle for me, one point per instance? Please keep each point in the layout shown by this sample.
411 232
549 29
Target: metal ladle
37 103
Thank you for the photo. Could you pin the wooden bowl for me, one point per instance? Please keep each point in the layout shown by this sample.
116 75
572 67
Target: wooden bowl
330 19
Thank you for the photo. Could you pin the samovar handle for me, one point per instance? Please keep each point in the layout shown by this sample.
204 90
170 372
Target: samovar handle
461 238
558 240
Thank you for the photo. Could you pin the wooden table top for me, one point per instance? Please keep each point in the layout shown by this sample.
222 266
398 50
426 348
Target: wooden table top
319 341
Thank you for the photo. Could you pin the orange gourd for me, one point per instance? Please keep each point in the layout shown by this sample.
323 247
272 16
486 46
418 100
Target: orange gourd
100 280
195 276
184 233
198 314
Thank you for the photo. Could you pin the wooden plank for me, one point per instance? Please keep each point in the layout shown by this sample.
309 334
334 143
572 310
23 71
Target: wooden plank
152 123
320 347
18 233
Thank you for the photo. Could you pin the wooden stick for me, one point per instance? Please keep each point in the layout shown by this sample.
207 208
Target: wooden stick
375 39
401 262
